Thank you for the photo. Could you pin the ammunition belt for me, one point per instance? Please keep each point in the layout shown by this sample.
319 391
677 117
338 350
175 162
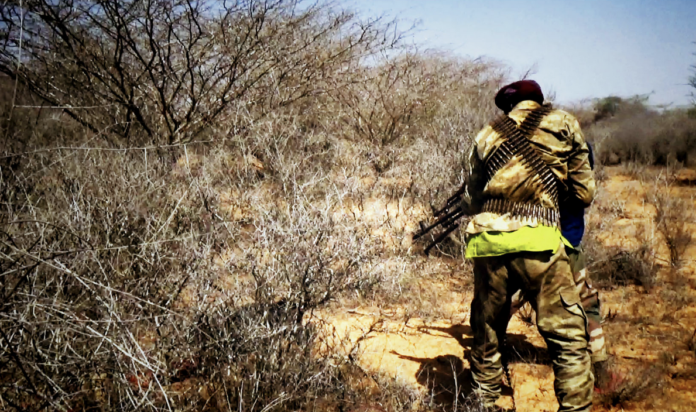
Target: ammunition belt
534 212
517 143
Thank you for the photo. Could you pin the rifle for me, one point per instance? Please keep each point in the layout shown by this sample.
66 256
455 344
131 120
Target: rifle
446 217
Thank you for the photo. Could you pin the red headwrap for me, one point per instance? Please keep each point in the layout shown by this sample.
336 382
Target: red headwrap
508 97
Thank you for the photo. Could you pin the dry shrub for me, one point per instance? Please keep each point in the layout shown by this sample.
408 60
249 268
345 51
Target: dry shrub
186 276
634 170
629 130
635 386
672 217
412 95
90 261
617 266
139 71
620 267
112 296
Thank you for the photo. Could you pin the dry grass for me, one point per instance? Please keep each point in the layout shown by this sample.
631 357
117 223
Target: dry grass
632 387
673 215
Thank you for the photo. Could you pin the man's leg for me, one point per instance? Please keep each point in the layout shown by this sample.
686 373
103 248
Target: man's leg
489 309
589 297
517 301
562 323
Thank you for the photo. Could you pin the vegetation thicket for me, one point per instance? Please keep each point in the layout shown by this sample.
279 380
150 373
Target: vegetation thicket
174 182
629 130
185 183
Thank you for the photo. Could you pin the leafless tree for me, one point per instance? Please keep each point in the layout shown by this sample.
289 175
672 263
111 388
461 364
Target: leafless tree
131 283
166 71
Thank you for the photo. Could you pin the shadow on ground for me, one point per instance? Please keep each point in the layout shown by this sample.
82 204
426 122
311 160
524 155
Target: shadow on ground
447 378
519 348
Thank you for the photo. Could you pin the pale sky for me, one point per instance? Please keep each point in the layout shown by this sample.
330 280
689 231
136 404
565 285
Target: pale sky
581 48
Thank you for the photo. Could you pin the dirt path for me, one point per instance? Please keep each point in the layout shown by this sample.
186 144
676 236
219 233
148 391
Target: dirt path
433 356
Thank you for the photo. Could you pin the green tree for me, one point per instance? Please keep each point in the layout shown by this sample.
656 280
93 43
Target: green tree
610 106
607 107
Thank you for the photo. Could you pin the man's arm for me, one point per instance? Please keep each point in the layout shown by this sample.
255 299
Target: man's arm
581 183
472 201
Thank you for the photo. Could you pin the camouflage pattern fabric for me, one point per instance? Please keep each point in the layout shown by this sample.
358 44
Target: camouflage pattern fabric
562 146
547 282
589 299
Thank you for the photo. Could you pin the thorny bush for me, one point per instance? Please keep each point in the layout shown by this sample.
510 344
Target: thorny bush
111 293
672 216
187 276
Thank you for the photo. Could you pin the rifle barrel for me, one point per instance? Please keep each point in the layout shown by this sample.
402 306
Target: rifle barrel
441 237
452 200
440 221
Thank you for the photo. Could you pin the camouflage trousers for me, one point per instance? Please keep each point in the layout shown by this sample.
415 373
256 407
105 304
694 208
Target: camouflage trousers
589 299
547 282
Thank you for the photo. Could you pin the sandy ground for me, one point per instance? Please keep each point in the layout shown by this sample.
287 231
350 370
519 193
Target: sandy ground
645 329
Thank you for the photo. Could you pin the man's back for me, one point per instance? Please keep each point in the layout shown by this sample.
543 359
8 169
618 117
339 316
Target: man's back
561 145
521 171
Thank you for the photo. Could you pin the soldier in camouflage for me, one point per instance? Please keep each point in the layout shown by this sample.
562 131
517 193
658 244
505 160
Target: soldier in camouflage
514 239
573 228
589 299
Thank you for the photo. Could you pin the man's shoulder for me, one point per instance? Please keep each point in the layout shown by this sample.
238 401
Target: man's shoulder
559 120
560 115
485 134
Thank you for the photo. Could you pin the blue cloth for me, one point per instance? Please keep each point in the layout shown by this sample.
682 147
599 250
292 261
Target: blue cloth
573 217
572 223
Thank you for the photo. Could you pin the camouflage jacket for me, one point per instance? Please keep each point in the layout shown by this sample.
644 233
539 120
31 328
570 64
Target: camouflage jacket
562 146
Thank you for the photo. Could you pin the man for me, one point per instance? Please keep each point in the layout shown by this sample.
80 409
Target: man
573 229
522 167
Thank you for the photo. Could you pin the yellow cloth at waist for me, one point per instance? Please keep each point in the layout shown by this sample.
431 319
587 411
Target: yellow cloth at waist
524 239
